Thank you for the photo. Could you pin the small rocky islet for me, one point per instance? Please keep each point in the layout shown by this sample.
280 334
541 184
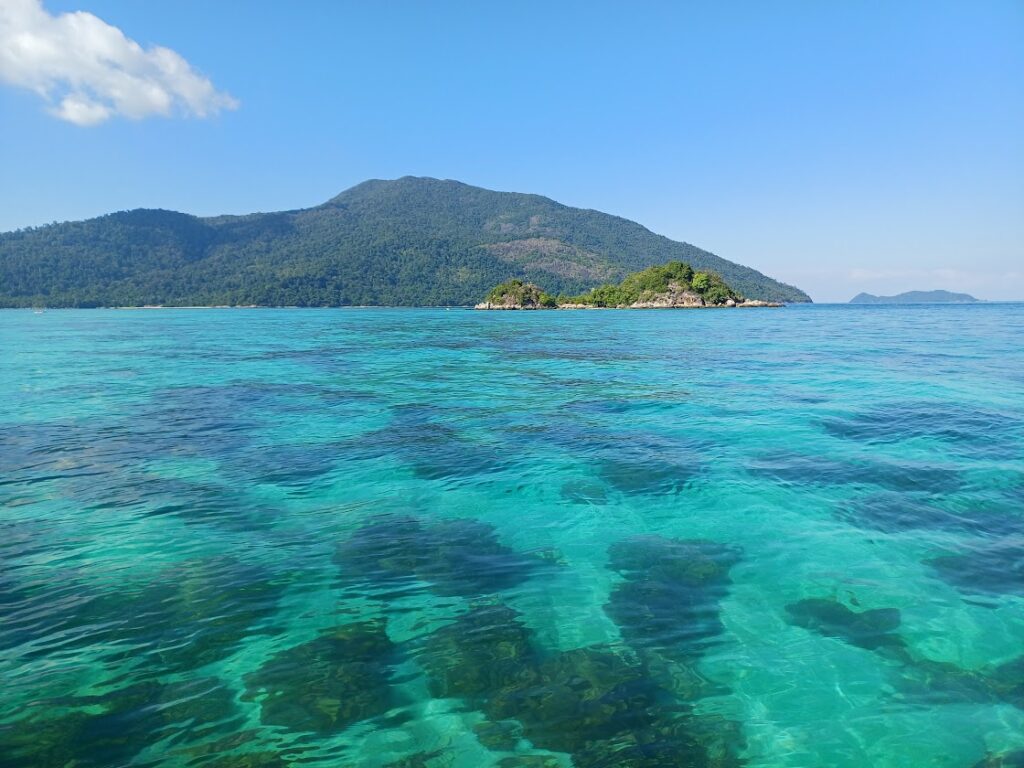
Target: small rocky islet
674 285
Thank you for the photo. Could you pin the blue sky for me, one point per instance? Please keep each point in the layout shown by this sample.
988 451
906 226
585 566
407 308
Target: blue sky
839 146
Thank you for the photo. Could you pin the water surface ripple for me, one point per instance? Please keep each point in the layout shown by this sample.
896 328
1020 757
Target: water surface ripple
270 538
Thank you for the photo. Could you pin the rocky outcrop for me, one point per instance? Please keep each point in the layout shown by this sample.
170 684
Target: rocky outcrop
676 297
505 305
515 294
755 303
670 286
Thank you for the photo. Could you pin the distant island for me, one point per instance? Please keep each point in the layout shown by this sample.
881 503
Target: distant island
915 297
407 242
669 286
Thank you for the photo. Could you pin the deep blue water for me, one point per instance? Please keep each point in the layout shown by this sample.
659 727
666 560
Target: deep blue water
449 538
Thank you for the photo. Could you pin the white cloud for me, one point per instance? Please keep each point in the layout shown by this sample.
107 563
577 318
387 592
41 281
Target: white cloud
89 71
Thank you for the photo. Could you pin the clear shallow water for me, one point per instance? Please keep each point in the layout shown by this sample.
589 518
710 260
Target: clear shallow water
426 538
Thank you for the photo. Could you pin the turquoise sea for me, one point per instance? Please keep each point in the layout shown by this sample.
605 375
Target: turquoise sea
396 537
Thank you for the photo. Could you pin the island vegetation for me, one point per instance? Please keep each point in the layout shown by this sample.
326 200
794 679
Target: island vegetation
667 286
407 242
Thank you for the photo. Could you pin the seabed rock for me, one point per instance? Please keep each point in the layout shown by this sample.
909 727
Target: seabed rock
871 630
454 557
328 683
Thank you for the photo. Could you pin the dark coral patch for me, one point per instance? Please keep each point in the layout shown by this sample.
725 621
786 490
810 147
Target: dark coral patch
985 567
669 600
642 464
873 629
606 711
593 703
578 697
940 683
647 475
966 430
112 728
485 650
419 437
817 470
501 735
896 512
1007 680
323 686
454 557
1013 759
248 760
188 615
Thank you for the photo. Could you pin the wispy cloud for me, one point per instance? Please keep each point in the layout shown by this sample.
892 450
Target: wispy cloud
88 71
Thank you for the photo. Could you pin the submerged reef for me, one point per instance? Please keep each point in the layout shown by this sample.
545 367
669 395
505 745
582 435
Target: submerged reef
898 512
110 729
451 557
186 616
638 475
324 685
594 703
872 629
924 680
985 567
802 469
605 706
487 649
418 436
1013 759
898 421
634 462
668 601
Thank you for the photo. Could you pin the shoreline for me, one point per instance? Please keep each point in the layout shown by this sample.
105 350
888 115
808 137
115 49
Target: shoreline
754 304
153 307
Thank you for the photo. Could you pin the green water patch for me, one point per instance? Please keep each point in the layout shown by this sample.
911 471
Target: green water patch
202 503
98 731
584 491
635 404
249 760
594 703
485 650
289 465
184 617
236 748
1013 759
926 681
101 465
341 677
451 557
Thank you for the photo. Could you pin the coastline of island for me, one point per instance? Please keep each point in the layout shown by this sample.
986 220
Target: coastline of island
674 285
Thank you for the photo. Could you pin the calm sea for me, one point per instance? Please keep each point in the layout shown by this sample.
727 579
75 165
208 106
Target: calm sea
261 538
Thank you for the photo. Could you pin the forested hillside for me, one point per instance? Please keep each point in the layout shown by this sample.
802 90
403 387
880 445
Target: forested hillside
413 241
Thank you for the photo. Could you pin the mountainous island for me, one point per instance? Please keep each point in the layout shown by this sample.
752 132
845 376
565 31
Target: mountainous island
915 297
407 242
670 286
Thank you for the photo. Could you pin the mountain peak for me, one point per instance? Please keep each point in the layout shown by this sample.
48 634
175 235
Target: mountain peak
408 241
